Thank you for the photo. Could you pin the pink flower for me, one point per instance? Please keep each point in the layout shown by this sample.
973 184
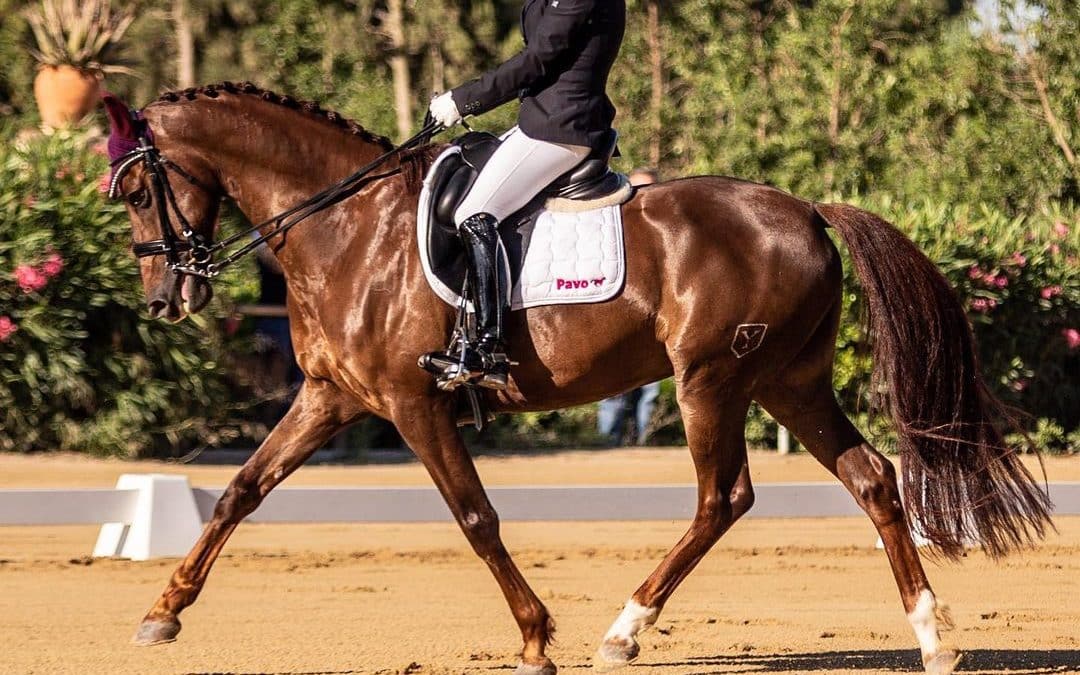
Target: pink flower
103 183
983 305
1019 385
1071 335
232 325
1001 281
1019 259
53 265
101 149
7 328
1054 249
975 273
29 201
62 172
1061 229
1050 292
30 279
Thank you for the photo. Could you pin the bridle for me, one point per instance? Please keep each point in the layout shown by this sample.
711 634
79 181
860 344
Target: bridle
200 251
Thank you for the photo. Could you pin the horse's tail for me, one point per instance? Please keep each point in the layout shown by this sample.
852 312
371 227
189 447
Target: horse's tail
961 482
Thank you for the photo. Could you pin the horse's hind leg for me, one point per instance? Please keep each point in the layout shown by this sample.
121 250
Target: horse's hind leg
714 421
318 412
802 399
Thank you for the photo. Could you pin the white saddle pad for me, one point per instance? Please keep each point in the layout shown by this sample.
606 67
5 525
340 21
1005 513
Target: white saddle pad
565 257
571 257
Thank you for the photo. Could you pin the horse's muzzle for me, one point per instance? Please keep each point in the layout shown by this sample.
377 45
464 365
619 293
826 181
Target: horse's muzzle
176 296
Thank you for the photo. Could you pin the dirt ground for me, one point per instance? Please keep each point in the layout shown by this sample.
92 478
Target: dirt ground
775 596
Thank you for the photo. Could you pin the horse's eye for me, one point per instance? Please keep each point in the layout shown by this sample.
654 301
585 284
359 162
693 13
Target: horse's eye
139 198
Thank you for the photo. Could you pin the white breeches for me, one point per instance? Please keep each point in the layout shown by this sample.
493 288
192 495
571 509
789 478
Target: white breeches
518 170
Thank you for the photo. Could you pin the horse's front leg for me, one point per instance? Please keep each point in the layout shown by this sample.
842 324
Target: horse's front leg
429 429
319 411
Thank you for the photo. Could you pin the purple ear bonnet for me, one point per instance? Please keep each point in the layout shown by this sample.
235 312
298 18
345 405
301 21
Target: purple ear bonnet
125 128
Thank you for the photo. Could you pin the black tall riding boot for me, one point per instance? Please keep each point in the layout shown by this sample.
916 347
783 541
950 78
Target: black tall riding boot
488 284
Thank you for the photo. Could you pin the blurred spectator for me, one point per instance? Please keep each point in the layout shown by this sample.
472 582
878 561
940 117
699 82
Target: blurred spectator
637 404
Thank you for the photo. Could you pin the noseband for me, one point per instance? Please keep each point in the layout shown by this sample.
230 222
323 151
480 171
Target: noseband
199 260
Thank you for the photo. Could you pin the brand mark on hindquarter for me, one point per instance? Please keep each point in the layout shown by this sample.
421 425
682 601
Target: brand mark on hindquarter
748 337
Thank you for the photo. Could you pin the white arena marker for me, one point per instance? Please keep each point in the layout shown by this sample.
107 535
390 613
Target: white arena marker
165 523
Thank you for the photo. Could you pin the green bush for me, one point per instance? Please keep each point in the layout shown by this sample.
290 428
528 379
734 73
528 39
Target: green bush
81 367
1019 278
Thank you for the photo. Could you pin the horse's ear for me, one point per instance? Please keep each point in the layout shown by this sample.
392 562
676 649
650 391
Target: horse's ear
120 119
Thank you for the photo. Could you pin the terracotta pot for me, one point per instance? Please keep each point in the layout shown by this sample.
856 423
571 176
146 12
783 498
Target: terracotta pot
65 94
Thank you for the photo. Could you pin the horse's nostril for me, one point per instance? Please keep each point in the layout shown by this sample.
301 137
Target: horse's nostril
157 308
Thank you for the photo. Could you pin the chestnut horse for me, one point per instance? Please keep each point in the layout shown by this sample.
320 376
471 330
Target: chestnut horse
733 288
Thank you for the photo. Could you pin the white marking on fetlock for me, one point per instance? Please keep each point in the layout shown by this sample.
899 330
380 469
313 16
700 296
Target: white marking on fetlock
632 620
924 619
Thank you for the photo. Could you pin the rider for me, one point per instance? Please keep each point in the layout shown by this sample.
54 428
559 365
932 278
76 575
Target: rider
560 77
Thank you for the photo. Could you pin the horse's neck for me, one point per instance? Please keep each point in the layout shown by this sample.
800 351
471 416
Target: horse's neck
266 176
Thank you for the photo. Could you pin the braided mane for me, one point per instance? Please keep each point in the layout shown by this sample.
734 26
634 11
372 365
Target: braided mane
310 107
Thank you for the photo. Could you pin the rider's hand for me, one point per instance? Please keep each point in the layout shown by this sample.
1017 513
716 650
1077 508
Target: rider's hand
444 110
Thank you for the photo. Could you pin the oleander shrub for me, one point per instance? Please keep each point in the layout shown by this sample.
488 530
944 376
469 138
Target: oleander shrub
1019 278
81 366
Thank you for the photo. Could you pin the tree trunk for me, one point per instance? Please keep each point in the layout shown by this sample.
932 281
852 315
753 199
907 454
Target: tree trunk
185 45
438 68
656 104
1058 128
836 97
399 66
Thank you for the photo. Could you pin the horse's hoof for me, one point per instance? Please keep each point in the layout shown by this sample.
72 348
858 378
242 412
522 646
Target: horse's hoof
544 668
942 663
156 632
615 653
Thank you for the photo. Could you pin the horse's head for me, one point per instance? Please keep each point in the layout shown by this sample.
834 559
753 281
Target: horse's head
173 201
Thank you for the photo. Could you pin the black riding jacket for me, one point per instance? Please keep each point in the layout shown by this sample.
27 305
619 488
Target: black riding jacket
561 74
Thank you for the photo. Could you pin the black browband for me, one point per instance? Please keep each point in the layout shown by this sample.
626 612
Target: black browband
199 261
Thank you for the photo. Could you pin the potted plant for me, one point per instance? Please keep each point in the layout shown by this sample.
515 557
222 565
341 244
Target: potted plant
76 41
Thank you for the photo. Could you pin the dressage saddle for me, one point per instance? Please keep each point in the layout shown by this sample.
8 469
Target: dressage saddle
591 179
453 176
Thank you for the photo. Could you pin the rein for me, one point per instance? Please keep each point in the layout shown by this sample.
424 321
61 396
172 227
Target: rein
200 259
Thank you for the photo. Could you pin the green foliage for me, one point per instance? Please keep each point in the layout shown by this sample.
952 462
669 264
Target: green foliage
1051 437
1020 281
81 368
17 71
543 430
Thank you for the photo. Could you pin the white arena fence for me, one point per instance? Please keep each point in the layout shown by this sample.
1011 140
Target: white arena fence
154 515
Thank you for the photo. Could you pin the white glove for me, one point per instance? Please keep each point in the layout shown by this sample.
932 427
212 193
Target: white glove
444 110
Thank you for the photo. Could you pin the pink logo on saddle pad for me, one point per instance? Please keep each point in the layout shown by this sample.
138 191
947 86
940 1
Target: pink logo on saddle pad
571 284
